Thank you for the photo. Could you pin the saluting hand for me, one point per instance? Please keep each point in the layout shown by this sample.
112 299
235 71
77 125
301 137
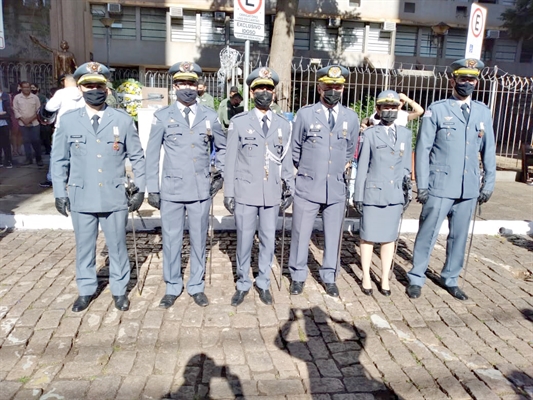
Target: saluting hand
63 205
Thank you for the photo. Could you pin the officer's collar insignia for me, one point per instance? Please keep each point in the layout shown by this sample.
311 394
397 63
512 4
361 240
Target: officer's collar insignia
265 73
250 131
186 66
334 72
471 63
448 118
94 67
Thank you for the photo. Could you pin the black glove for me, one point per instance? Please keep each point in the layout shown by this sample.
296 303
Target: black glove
423 195
484 196
407 191
358 205
286 201
63 205
135 201
154 200
229 203
216 183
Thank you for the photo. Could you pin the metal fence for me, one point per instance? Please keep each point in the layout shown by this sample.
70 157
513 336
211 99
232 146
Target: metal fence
509 97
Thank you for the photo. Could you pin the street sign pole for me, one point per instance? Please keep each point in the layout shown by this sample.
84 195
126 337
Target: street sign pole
246 91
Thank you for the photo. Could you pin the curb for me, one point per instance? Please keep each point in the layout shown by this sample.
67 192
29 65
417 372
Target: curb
227 223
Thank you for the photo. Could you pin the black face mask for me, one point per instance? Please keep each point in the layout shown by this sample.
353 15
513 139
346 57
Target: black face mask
186 96
201 92
331 97
34 91
95 97
464 89
388 116
262 100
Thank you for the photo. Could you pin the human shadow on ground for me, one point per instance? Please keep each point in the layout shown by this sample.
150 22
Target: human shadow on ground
524 241
334 354
528 314
197 380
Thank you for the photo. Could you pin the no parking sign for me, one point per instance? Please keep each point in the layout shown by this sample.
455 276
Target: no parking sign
476 31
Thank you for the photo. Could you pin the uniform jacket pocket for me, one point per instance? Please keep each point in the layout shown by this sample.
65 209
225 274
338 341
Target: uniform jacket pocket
437 176
78 145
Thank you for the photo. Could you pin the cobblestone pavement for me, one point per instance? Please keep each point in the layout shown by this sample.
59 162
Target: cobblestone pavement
303 347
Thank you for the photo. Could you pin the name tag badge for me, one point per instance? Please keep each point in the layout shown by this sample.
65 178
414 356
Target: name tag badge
75 136
381 147
173 126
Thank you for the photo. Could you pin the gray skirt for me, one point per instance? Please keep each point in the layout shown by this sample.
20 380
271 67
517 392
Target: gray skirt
379 224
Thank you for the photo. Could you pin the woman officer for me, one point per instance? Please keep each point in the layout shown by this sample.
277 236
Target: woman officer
383 172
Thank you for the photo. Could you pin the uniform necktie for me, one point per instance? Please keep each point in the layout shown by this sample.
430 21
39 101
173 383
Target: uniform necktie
392 134
265 124
95 119
187 110
466 114
331 119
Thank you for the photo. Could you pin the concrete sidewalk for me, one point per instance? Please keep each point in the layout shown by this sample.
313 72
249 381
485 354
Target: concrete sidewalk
24 205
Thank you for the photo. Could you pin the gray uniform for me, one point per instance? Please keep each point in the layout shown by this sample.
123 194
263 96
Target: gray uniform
320 155
89 168
253 178
447 164
185 184
382 165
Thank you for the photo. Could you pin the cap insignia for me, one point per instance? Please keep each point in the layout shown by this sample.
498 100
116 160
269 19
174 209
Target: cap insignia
186 66
334 72
94 67
265 73
470 63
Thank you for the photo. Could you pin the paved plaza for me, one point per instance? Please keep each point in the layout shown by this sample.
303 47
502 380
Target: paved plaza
303 347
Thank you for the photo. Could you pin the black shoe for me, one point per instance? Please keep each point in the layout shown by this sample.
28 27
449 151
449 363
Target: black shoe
414 291
9 165
27 162
81 303
331 289
456 292
238 297
368 292
264 295
40 163
45 184
385 292
200 299
167 301
296 288
122 303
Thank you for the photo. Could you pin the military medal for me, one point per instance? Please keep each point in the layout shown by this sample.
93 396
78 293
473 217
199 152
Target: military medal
344 129
116 146
402 148
481 130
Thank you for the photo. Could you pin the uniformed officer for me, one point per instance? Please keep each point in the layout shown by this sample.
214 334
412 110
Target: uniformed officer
204 98
256 168
187 131
452 133
88 174
323 144
384 168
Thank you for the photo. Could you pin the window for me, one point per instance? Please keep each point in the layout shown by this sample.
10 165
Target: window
98 11
428 47
455 44
212 32
505 50
406 38
461 12
184 29
353 36
153 24
409 7
302 34
488 1
128 21
325 38
526 56
378 41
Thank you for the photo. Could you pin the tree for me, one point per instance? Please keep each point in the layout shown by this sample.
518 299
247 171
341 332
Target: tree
519 20
282 48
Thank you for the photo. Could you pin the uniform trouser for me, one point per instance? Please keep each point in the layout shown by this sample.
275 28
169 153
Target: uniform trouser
31 137
172 223
246 222
459 213
5 145
304 213
86 232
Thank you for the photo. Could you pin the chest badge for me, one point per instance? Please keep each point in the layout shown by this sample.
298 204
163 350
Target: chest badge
448 118
116 134
481 130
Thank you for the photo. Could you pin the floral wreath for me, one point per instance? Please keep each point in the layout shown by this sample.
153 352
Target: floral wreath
129 95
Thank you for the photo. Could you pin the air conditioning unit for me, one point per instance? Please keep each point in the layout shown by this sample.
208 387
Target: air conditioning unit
388 26
114 8
220 16
492 34
176 12
334 22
